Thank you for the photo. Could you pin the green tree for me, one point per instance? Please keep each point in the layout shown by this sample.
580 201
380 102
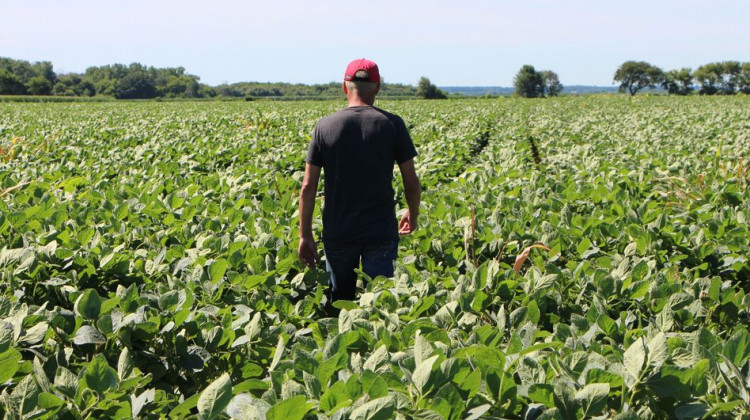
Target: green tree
21 68
744 79
10 84
678 82
529 83
426 90
39 85
73 85
45 70
551 83
730 77
136 85
709 76
636 75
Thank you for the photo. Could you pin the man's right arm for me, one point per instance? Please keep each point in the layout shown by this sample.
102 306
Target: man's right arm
413 193
308 249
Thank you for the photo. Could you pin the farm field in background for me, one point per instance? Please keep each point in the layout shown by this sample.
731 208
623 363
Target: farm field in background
576 257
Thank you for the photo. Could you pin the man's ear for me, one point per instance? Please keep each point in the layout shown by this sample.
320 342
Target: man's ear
377 89
343 85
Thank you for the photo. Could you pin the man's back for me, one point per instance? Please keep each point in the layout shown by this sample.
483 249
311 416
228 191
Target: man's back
357 148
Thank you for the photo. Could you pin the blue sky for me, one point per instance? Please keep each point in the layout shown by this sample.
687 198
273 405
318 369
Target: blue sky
464 43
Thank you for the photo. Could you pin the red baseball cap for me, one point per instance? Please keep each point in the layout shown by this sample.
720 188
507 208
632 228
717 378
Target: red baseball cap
362 64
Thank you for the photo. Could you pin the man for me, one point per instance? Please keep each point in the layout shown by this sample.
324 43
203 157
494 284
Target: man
356 147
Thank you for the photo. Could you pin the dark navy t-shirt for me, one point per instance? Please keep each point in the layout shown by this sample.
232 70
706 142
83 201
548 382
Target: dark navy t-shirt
357 148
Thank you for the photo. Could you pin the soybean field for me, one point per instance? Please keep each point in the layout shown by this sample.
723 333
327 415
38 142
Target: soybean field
577 257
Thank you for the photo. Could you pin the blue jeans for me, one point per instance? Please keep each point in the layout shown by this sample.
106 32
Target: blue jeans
341 260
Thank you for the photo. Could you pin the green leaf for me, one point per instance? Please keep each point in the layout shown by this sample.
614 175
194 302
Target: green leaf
373 385
377 409
183 409
88 335
9 364
634 360
532 312
328 367
542 393
278 353
334 397
422 305
477 412
423 373
657 350
88 305
217 269
737 348
98 375
66 382
138 402
455 403
49 401
680 383
345 304
593 398
124 364
40 375
607 325
293 408
34 334
471 384
245 407
723 408
583 246
25 395
565 401
595 375
422 348
377 358
215 397
694 410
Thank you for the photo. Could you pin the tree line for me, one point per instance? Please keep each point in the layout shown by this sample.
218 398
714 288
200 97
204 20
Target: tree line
720 78
136 81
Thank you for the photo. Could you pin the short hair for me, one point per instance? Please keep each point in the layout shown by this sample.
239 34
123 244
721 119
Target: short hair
364 88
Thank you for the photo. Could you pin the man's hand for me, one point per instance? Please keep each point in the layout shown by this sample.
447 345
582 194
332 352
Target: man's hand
413 193
408 223
308 252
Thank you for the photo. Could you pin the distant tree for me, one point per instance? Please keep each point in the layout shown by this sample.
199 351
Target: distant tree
709 76
730 77
636 75
529 83
678 82
11 84
744 79
205 91
551 83
136 85
45 69
73 85
21 68
426 90
39 85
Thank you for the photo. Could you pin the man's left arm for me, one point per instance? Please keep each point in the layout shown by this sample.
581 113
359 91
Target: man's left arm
308 249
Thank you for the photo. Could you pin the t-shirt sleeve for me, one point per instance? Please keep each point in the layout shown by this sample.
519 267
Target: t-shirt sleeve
314 157
405 149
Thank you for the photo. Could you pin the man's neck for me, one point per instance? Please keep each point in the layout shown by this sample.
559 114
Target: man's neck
354 99
359 102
